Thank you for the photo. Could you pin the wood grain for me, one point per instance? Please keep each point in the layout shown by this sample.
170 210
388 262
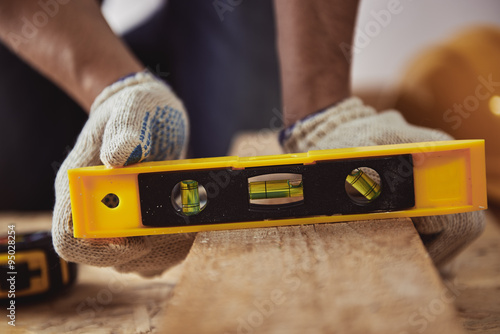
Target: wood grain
475 287
357 277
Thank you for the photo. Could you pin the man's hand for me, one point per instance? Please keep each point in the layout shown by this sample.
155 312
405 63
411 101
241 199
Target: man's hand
351 124
135 119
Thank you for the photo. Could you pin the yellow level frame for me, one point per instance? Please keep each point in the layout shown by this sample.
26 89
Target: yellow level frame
449 177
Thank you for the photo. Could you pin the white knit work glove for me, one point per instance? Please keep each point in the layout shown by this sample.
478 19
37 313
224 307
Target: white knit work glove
137 118
351 124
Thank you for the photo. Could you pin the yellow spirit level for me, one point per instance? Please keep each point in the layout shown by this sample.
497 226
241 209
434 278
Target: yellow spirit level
405 180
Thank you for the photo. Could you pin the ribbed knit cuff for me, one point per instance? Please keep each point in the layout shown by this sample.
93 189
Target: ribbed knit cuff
126 81
313 127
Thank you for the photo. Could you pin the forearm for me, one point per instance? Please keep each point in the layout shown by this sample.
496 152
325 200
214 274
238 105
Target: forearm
74 46
314 72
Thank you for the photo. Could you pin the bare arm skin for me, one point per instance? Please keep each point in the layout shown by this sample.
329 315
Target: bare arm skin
79 52
75 48
314 72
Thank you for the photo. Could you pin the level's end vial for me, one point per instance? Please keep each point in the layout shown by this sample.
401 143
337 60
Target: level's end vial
364 184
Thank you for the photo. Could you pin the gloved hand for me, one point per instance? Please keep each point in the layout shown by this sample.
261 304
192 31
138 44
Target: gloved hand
350 124
137 118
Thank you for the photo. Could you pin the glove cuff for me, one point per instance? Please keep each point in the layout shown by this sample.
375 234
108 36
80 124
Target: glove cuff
310 130
126 81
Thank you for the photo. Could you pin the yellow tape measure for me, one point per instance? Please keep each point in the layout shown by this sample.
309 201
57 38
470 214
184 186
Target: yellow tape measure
30 267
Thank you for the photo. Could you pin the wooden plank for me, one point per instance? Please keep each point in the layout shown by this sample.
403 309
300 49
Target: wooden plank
475 289
356 277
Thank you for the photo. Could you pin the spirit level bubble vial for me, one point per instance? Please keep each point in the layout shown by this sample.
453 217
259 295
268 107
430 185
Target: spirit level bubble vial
375 182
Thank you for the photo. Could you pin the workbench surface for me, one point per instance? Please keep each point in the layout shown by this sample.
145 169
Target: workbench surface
104 301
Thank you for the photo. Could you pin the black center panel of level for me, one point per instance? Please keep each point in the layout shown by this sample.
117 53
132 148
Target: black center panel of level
323 188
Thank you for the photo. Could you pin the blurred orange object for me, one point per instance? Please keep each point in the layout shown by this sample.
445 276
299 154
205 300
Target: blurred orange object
456 87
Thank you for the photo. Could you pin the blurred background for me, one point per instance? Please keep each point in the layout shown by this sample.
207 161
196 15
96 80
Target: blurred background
455 87
437 62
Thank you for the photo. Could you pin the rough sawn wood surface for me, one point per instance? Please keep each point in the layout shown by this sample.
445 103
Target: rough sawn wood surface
356 277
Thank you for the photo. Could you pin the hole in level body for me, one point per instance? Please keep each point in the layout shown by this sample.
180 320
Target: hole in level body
111 200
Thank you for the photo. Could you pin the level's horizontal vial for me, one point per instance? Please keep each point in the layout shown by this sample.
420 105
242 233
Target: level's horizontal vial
190 197
275 189
364 184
